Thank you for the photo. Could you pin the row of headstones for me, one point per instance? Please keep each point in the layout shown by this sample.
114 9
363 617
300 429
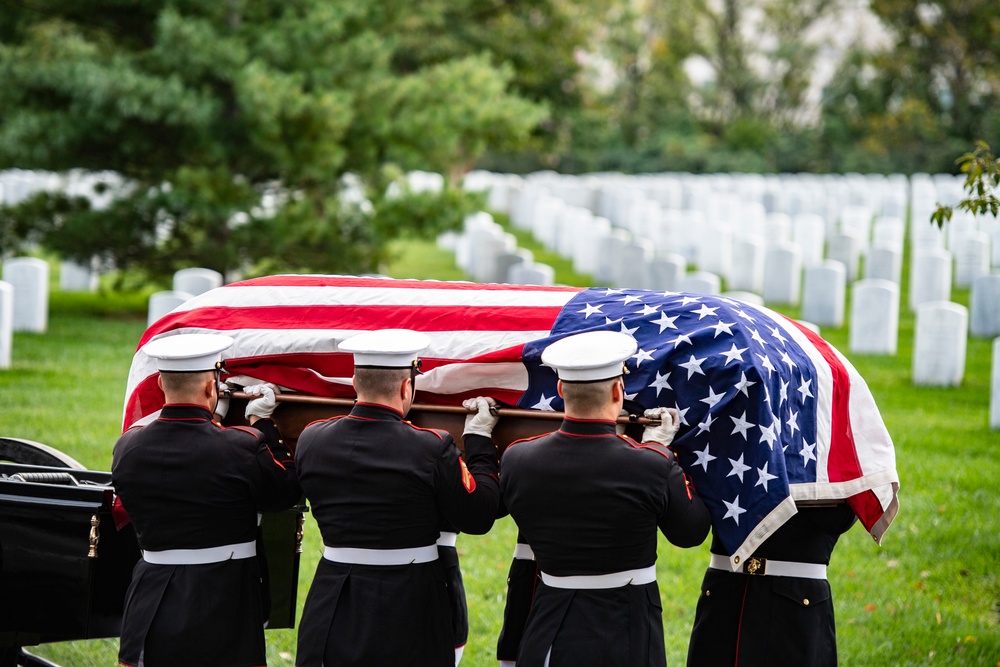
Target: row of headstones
489 254
24 295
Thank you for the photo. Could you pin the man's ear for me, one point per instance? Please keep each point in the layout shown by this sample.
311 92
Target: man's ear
403 389
618 391
559 388
159 382
210 386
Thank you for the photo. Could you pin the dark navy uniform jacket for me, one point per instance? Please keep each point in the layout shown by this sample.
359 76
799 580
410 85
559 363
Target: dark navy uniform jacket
375 481
768 621
590 502
188 483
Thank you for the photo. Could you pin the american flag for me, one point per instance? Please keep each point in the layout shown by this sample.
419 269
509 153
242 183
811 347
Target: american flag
771 414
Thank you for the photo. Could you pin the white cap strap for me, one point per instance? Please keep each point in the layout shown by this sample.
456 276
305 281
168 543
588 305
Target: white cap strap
353 556
201 556
644 575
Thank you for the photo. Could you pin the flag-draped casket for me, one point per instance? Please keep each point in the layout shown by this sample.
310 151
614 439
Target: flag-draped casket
771 414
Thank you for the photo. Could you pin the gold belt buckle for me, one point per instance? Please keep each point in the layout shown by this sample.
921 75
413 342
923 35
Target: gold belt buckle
755 566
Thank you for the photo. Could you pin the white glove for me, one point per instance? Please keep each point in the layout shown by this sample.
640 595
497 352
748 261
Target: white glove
222 407
264 406
482 421
664 433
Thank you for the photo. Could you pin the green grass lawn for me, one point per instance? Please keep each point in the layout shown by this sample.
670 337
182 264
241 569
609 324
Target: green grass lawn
929 596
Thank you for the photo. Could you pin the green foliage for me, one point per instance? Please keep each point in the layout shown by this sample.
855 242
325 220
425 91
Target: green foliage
233 125
982 181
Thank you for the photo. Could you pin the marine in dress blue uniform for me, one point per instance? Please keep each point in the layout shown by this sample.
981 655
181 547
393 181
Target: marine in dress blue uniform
193 490
777 610
381 490
589 502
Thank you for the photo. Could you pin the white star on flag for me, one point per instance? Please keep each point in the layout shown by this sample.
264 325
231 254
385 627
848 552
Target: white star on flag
721 326
647 310
693 366
627 331
641 356
629 298
745 316
589 310
681 412
608 321
689 299
787 359
763 476
706 424
712 399
804 390
738 467
665 321
741 425
734 353
609 291
783 392
661 382
733 509
765 361
754 335
808 453
769 434
744 384
792 423
681 338
776 333
545 403
704 458
704 311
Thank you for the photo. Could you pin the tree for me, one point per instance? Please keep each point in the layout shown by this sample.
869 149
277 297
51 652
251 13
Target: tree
982 182
234 125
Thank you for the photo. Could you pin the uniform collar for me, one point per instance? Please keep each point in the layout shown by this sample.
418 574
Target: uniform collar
571 426
376 411
185 411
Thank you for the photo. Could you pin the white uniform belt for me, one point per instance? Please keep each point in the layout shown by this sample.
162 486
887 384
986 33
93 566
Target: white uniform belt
772 568
201 556
523 552
353 556
447 539
643 575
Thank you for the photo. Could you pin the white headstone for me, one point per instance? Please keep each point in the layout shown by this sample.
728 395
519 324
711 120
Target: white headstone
846 249
587 248
532 274
632 271
700 282
611 252
74 277
884 263
747 273
508 260
161 303
6 323
889 233
874 326
984 312
856 221
972 258
824 294
777 229
939 344
715 253
29 276
930 277
196 280
782 274
809 232
995 387
667 271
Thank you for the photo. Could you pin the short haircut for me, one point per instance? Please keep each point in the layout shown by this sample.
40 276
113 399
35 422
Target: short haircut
379 383
587 397
184 385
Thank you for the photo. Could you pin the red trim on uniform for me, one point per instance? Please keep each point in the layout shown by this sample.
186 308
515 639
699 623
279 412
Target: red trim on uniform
739 627
585 435
652 449
468 481
534 437
421 428
323 421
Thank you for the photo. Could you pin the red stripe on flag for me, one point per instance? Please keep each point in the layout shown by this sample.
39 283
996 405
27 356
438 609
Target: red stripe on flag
843 463
359 317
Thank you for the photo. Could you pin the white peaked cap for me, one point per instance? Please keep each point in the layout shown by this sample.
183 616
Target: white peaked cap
590 356
386 348
188 353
